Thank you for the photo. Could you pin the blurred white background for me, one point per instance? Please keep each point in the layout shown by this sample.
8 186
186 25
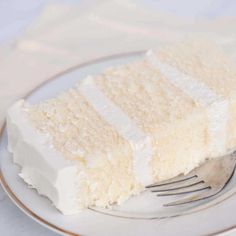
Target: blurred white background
16 15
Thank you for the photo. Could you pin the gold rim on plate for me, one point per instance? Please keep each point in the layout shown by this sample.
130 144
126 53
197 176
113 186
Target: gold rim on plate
39 219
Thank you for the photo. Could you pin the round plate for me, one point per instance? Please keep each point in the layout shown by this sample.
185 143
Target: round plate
141 215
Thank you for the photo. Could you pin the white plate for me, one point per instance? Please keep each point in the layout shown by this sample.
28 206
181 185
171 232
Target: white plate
141 215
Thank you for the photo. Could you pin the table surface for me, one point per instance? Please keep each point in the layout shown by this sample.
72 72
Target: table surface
15 16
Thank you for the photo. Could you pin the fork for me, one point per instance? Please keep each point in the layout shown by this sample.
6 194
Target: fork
203 182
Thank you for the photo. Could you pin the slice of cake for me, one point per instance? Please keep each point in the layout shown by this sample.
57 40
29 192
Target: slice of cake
112 134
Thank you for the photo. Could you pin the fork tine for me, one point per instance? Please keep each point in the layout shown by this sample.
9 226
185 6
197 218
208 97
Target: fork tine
175 180
182 192
178 187
191 199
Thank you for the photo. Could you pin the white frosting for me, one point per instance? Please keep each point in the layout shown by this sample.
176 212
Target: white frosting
42 167
217 127
217 107
140 142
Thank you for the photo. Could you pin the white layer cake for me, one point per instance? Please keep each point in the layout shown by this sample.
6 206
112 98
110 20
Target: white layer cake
112 134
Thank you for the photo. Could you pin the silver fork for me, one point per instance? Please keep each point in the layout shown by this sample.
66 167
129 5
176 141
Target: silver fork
208 179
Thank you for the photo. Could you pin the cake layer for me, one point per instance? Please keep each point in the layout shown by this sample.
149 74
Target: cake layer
210 65
130 126
139 141
216 106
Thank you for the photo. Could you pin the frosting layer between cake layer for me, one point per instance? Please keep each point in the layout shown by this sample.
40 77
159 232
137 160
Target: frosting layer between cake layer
139 141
